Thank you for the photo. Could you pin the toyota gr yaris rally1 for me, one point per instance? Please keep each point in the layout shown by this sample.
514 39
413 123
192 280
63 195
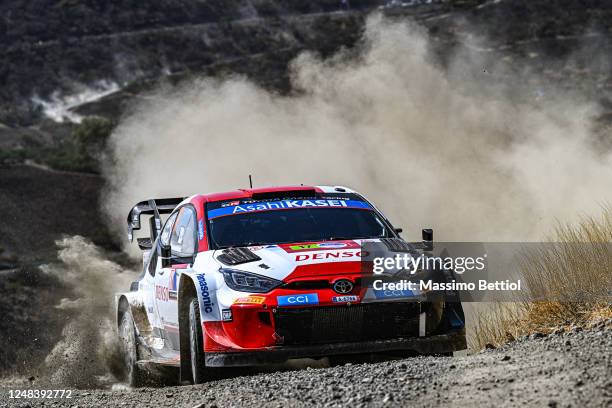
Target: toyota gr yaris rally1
260 276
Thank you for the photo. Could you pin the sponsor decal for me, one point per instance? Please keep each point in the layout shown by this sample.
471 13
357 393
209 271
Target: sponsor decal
201 229
345 299
226 315
334 198
322 245
284 205
330 255
392 294
205 301
161 293
250 300
174 279
230 204
319 246
298 300
172 293
332 245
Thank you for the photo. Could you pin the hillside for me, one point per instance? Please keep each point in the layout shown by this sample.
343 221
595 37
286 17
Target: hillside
57 47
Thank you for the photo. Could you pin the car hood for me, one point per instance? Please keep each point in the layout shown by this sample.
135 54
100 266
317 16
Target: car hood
287 262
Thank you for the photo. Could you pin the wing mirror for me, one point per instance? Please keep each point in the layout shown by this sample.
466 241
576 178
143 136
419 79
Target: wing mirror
167 259
166 255
398 230
427 235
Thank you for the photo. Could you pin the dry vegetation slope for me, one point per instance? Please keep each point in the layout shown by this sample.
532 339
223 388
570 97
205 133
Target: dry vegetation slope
574 279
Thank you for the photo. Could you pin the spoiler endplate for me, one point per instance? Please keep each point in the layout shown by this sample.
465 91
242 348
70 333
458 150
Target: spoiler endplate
154 207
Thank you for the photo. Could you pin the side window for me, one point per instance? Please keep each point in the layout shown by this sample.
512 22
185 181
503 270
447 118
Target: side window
182 239
165 234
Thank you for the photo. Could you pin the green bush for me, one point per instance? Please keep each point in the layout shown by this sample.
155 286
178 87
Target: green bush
83 150
80 152
91 134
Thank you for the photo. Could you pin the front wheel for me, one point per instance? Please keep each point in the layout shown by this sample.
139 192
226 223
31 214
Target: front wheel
196 343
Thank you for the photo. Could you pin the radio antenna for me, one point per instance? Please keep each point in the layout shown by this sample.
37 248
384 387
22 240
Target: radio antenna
250 181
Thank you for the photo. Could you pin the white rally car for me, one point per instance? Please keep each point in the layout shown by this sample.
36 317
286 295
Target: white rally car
259 276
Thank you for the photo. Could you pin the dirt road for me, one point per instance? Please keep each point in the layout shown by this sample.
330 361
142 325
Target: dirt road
569 369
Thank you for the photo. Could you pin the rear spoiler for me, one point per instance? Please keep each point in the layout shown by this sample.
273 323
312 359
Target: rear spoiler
154 207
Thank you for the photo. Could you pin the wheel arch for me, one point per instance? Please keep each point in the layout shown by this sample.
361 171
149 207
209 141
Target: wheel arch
131 302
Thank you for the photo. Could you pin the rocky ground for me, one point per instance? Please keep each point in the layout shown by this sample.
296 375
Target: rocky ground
570 368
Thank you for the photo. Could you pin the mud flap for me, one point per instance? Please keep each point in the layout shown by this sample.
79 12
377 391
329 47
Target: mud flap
422 324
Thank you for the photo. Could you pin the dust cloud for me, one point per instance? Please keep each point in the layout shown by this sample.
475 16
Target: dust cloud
458 149
87 354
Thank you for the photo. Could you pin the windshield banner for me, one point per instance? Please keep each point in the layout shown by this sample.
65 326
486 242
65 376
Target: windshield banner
286 205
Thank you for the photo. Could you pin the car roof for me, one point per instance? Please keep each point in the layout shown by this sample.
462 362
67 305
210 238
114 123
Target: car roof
249 192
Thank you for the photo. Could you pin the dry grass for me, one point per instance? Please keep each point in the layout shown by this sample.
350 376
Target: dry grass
571 278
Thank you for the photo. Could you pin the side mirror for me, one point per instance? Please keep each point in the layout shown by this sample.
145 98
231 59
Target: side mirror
166 255
427 235
167 259
398 230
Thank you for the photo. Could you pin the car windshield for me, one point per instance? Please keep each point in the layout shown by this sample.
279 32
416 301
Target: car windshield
236 224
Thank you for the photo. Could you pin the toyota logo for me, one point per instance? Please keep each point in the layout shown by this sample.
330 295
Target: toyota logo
343 286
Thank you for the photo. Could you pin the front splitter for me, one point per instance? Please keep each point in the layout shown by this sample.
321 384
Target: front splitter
437 344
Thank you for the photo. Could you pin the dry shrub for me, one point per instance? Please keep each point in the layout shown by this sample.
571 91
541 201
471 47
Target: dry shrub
571 277
495 323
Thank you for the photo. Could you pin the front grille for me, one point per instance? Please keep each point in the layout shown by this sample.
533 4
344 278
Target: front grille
307 285
316 284
339 324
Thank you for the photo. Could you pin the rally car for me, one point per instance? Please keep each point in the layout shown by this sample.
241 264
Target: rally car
260 276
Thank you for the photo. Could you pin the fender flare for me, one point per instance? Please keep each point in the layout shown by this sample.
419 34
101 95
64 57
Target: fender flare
132 302
204 288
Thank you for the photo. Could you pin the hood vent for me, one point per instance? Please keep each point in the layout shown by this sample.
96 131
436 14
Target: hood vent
237 256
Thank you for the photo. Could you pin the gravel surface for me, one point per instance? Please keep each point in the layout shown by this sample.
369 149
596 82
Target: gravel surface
567 369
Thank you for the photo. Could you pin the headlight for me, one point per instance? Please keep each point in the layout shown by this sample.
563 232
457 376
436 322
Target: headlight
248 282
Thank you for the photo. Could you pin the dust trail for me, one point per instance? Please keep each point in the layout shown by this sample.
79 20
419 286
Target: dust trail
86 356
472 156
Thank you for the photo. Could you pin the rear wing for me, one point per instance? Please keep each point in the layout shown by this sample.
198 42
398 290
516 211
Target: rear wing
155 207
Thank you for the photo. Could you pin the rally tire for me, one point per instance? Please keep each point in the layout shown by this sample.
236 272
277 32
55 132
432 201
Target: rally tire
133 374
196 344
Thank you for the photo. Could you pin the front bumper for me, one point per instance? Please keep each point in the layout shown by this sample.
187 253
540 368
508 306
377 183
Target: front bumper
435 344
